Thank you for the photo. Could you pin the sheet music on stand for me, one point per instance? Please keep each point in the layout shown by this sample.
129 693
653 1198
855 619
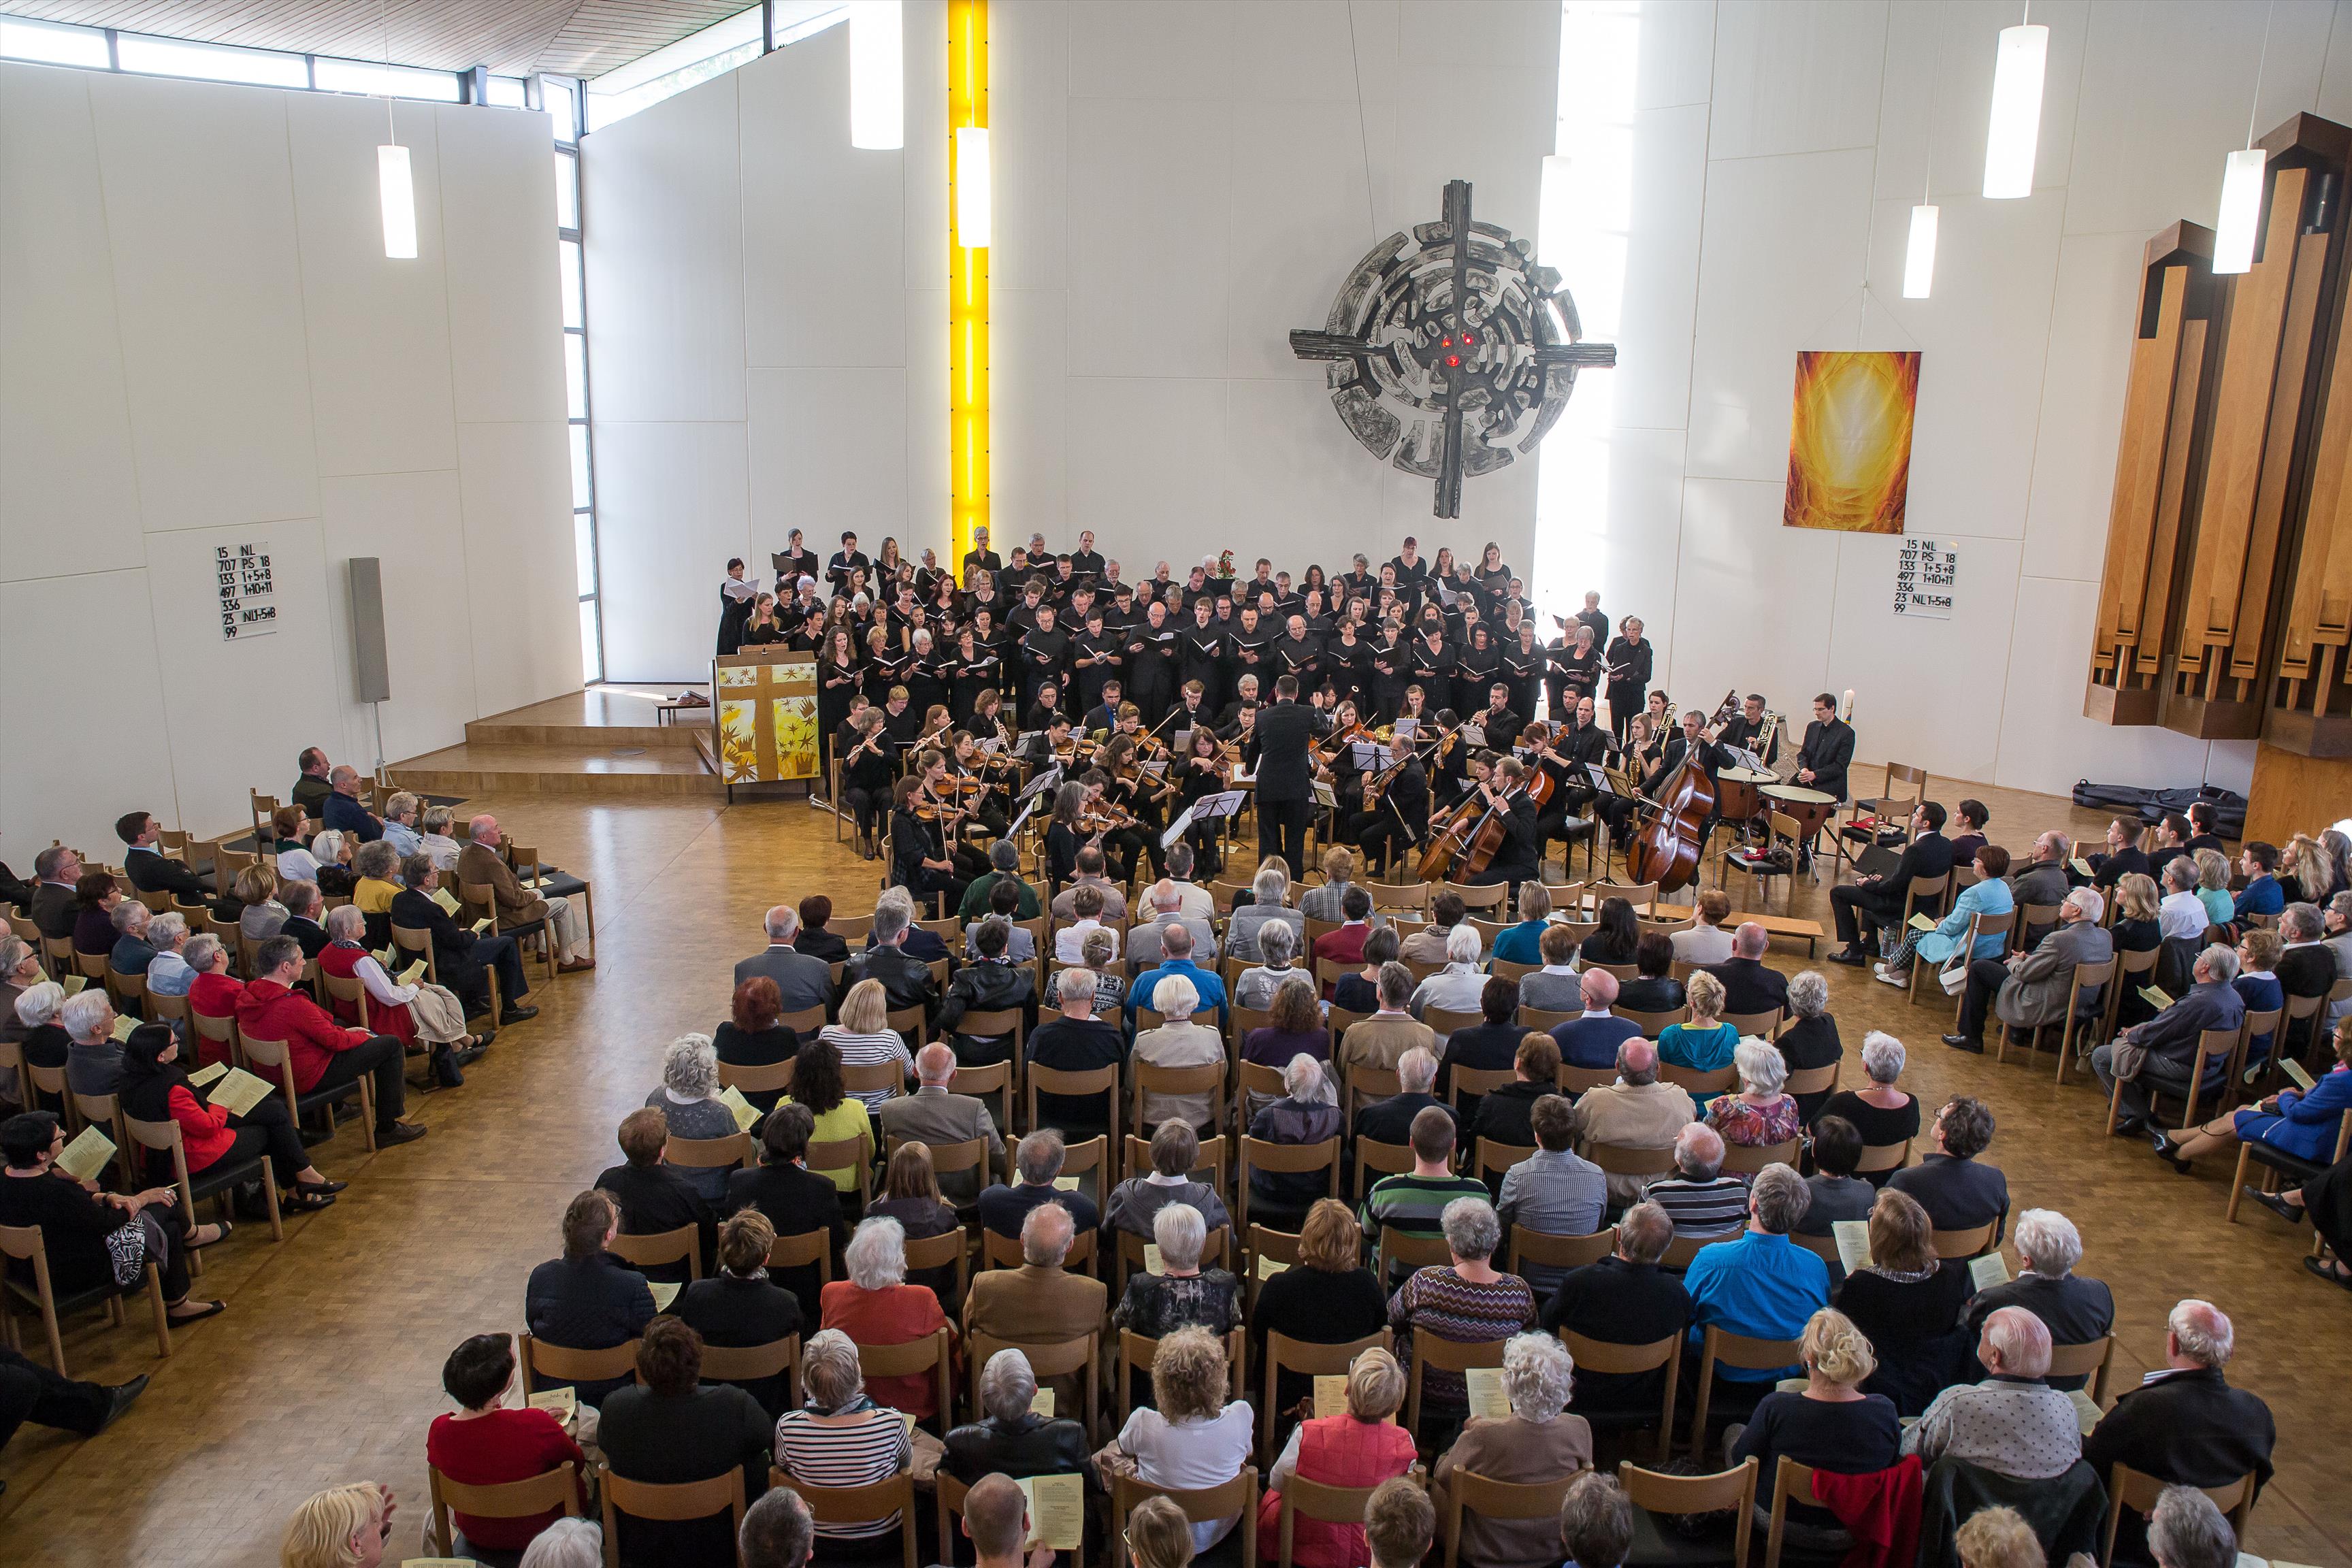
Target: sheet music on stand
1208 808
1157 767
1041 783
1181 742
1600 780
1746 759
1473 734
1407 727
1371 757
1325 795
1013 831
989 747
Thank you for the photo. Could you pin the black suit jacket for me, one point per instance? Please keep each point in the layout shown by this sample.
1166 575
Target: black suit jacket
152 872
906 980
1748 986
1622 1303
707 1431
54 910
2192 1428
1507 1116
1028 1446
1391 1120
796 1201
735 1313
453 944
311 935
1828 751
658 1198
1285 732
2077 1311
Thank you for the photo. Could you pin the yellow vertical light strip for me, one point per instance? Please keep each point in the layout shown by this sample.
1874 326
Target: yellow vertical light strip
967 285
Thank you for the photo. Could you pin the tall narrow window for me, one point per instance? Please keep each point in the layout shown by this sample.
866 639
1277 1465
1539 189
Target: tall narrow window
561 99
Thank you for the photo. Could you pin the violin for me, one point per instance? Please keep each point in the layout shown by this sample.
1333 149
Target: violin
1667 846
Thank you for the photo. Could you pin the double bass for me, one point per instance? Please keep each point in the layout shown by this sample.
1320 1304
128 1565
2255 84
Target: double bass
1666 848
1464 842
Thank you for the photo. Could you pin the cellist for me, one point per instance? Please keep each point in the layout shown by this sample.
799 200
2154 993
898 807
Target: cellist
1516 860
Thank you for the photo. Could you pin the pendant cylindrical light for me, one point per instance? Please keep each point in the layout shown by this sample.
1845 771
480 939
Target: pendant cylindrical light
398 193
2016 125
2241 211
1919 255
972 186
878 76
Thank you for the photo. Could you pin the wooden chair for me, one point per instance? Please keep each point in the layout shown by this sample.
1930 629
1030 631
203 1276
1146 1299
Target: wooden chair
1739 1159
1503 968
1430 1353
1303 1499
1308 1360
1652 1025
1152 1079
1656 1493
2265 1025
1205 1505
2091 1359
774 1078
1883 1157
932 1355
556 1491
1490 1499
1037 1079
1981 924
1722 1080
1544 1250
1723 1349
1762 1025
1813 1080
1576 1081
104 1112
2212 1046
545 1364
1973 1242
1389 897
1379 1159
1287 1158
885 1079
1364 1085
49 1083
710 1154
1135 1353
2136 1491
261 1054
1602 1356
2277 1163
1621 1160
1209 1164
24 1244
1080 1358
949 1159
678 1500
2033 923
2132 970
1535 1021
853 1154
1475 1081
1790 1482
1004 1252
2087 977
910 1022
805 1249
755 1363
1893 806
658 1249
1490 1154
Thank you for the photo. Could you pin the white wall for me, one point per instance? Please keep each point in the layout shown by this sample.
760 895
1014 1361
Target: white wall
201 343
767 312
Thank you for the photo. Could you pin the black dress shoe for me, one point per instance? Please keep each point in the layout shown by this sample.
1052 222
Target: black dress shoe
2291 1213
1968 1043
1851 956
514 1016
2131 1127
398 1132
2169 1152
466 1056
119 1399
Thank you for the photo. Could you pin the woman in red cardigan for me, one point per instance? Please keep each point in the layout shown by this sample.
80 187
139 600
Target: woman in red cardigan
486 1444
213 992
1361 1449
875 1306
153 1088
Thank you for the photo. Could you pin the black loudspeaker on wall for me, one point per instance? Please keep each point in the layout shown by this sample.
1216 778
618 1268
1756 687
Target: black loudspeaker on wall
371 667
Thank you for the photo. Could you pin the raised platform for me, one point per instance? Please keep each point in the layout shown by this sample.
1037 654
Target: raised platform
600 741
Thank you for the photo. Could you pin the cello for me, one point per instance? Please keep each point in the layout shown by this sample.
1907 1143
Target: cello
1463 843
1666 848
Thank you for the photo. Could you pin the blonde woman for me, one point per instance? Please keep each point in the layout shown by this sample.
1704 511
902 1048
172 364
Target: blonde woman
1157 1536
1831 1425
2306 872
345 1527
1190 1435
1362 1448
865 1038
2213 888
1705 1043
1539 1442
1999 1538
255 888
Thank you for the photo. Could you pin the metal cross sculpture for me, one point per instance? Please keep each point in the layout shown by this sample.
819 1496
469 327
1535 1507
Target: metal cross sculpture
1447 359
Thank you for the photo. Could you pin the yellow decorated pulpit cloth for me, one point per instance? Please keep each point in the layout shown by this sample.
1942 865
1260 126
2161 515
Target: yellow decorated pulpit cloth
766 714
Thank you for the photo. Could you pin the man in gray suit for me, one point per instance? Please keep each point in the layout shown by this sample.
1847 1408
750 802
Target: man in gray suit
2042 880
802 981
2030 988
1165 902
933 1116
2167 1043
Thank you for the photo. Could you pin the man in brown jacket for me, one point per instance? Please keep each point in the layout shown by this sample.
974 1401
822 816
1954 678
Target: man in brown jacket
1382 1040
1040 1303
480 863
1637 1112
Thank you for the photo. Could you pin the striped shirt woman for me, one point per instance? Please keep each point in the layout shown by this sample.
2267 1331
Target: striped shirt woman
841 1438
864 1039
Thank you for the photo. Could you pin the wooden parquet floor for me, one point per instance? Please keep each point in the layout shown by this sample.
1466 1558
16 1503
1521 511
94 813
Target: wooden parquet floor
326 1367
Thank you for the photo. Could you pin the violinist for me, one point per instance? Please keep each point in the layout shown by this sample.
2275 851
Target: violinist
1336 760
1627 669
937 805
1058 742
1136 795
1449 759
975 785
1502 726
1396 809
1064 832
921 859
866 772
1109 826
1517 859
1203 771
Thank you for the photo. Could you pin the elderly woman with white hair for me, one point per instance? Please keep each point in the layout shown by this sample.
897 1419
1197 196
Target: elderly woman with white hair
1179 1043
1880 1112
567 1544
1269 893
2076 1310
1536 1444
1811 1038
168 973
332 852
1307 1113
1458 986
688 1101
1009 1437
1357 1448
419 1010
45 1043
1277 947
1182 1294
842 1437
1467 1301
1760 1115
875 1306
20 971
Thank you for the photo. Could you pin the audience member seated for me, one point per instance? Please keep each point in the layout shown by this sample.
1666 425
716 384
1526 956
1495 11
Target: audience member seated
1590 1038
304 907
131 952
2076 1310
1596 1522
322 1053
2298 1124
1762 1284
934 1115
796 1200
1089 872
1134 1203
1625 1298
1458 986
813 939
417 1014
1488 1045
843 1438
96 898
1906 1304
910 1195
2184 1422
1749 985
463 958
152 871
2188 1531
1835 1193
1988 895
588 1299
374 866
153 1088
1087 904
841 1117
1706 941
1617 938
1359 1447
1506 1116
2159 1055
1011 1438
1958 1191
1346 943
1700 1199
1294 1029
1327 1298
1467 1301
751 1035
1179 1043
1830 1425
1110 981
1326 902
2032 990
1391 1120
1552 1192
1269 893
875 1306
657 1198
1538 1444
1414 1202
1003 903
215 992
57 897
1182 1294
690 1107
740 1307
400 828
1810 1037
1637 1112
342 810
1654 988
1880 1112
1166 904
801 981
904 980
487 1442
1037 1161
2315 950
992 983
1004 860
1041 1302
1382 1040
671 1428
1307 1115
92 1239
1190 1437
335 854
2012 1424
93 1056
1277 948
1176 963
483 864
1705 1043
1555 987
1076 1041
1760 1116
346 1527
1360 992
1427 945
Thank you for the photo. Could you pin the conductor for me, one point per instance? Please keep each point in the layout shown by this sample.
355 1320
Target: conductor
1277 751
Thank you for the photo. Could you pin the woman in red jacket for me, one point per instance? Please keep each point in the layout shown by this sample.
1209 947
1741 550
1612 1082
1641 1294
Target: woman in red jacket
153 1088
1361 1449
213 992
485 1444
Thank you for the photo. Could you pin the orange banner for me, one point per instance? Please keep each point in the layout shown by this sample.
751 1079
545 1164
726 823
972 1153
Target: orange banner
1850 440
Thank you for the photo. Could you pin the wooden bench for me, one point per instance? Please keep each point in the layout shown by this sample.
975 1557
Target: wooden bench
1809 932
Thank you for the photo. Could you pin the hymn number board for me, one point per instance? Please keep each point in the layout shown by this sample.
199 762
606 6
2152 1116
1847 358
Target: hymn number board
248 600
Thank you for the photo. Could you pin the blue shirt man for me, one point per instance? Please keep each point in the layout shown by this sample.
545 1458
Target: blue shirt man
345 814
1205 982
1763 1285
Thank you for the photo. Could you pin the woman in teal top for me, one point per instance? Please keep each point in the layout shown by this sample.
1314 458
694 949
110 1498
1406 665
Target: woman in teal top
1522 943
2213 887
1987 894
1706 1042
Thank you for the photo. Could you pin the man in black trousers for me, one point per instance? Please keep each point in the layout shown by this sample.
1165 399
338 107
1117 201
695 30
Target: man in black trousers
31 1392
1286 787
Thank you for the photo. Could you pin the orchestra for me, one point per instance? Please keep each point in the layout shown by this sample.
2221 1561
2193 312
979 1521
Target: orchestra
1440 721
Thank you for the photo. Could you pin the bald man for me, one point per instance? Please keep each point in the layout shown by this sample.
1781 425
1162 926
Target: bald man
345 813
483 864
2184 1424
1749 985
933 1115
